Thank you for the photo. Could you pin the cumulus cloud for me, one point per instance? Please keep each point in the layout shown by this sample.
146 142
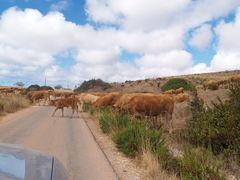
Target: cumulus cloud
227 55
226 60
32 44
155 14
60 5
201 37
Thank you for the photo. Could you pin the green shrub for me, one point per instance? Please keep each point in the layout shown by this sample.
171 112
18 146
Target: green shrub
43 88
105 121
200 164
218 128
137 137
33 87
111 122
177 83
130 140
87 107
132 137
120 121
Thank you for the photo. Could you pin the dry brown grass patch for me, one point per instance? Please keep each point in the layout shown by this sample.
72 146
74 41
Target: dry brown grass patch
12 103
153 168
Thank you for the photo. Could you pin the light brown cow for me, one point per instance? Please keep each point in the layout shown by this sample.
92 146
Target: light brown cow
66 102
37 96
154 105
174 91
99 94
179 90
107 100
122 102
171 91
234 78
208 83
86 98
181 97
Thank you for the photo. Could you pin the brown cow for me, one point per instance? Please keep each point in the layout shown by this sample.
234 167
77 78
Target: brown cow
122 102
181 97
179 90
99 94
174 91
171 91
154 105
208 83
86 98
66 102
221 82
234 78
107 100
36 96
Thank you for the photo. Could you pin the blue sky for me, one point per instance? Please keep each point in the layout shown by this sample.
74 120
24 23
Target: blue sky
68 41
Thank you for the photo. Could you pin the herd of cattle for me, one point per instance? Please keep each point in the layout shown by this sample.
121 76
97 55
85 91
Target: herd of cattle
158 106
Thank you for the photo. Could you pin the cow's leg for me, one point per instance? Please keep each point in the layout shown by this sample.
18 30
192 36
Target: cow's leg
54 111
62 112
170 123
81 107
73 110
77 110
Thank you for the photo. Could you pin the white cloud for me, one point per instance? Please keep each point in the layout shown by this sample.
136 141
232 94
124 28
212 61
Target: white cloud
155 14
226 60
31 30
168 63
26 57
95 57
229 34
60 5
201 37
32 44
227 56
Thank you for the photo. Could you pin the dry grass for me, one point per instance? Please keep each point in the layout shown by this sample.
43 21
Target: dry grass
12 103
153 168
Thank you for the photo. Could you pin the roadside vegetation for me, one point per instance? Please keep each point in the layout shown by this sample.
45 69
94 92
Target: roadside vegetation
12 103
137 139
218 128
210 141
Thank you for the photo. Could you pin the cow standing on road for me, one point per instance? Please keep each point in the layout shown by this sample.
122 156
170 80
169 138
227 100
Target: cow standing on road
66 102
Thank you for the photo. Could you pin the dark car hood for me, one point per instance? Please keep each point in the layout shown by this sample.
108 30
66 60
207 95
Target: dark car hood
17 162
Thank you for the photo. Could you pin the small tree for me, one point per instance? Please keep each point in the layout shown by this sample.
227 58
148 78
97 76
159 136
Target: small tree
58 86
45 88
19 84
176 83
33 87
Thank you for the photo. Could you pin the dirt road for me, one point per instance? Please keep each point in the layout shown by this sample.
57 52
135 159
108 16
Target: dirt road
69 139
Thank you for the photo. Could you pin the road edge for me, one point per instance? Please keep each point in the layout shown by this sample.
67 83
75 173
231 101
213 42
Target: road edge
95 139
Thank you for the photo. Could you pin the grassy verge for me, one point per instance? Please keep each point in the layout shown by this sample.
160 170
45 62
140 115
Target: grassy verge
12 103
136 138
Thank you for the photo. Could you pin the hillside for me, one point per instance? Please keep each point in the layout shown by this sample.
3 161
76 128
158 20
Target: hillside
155 84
